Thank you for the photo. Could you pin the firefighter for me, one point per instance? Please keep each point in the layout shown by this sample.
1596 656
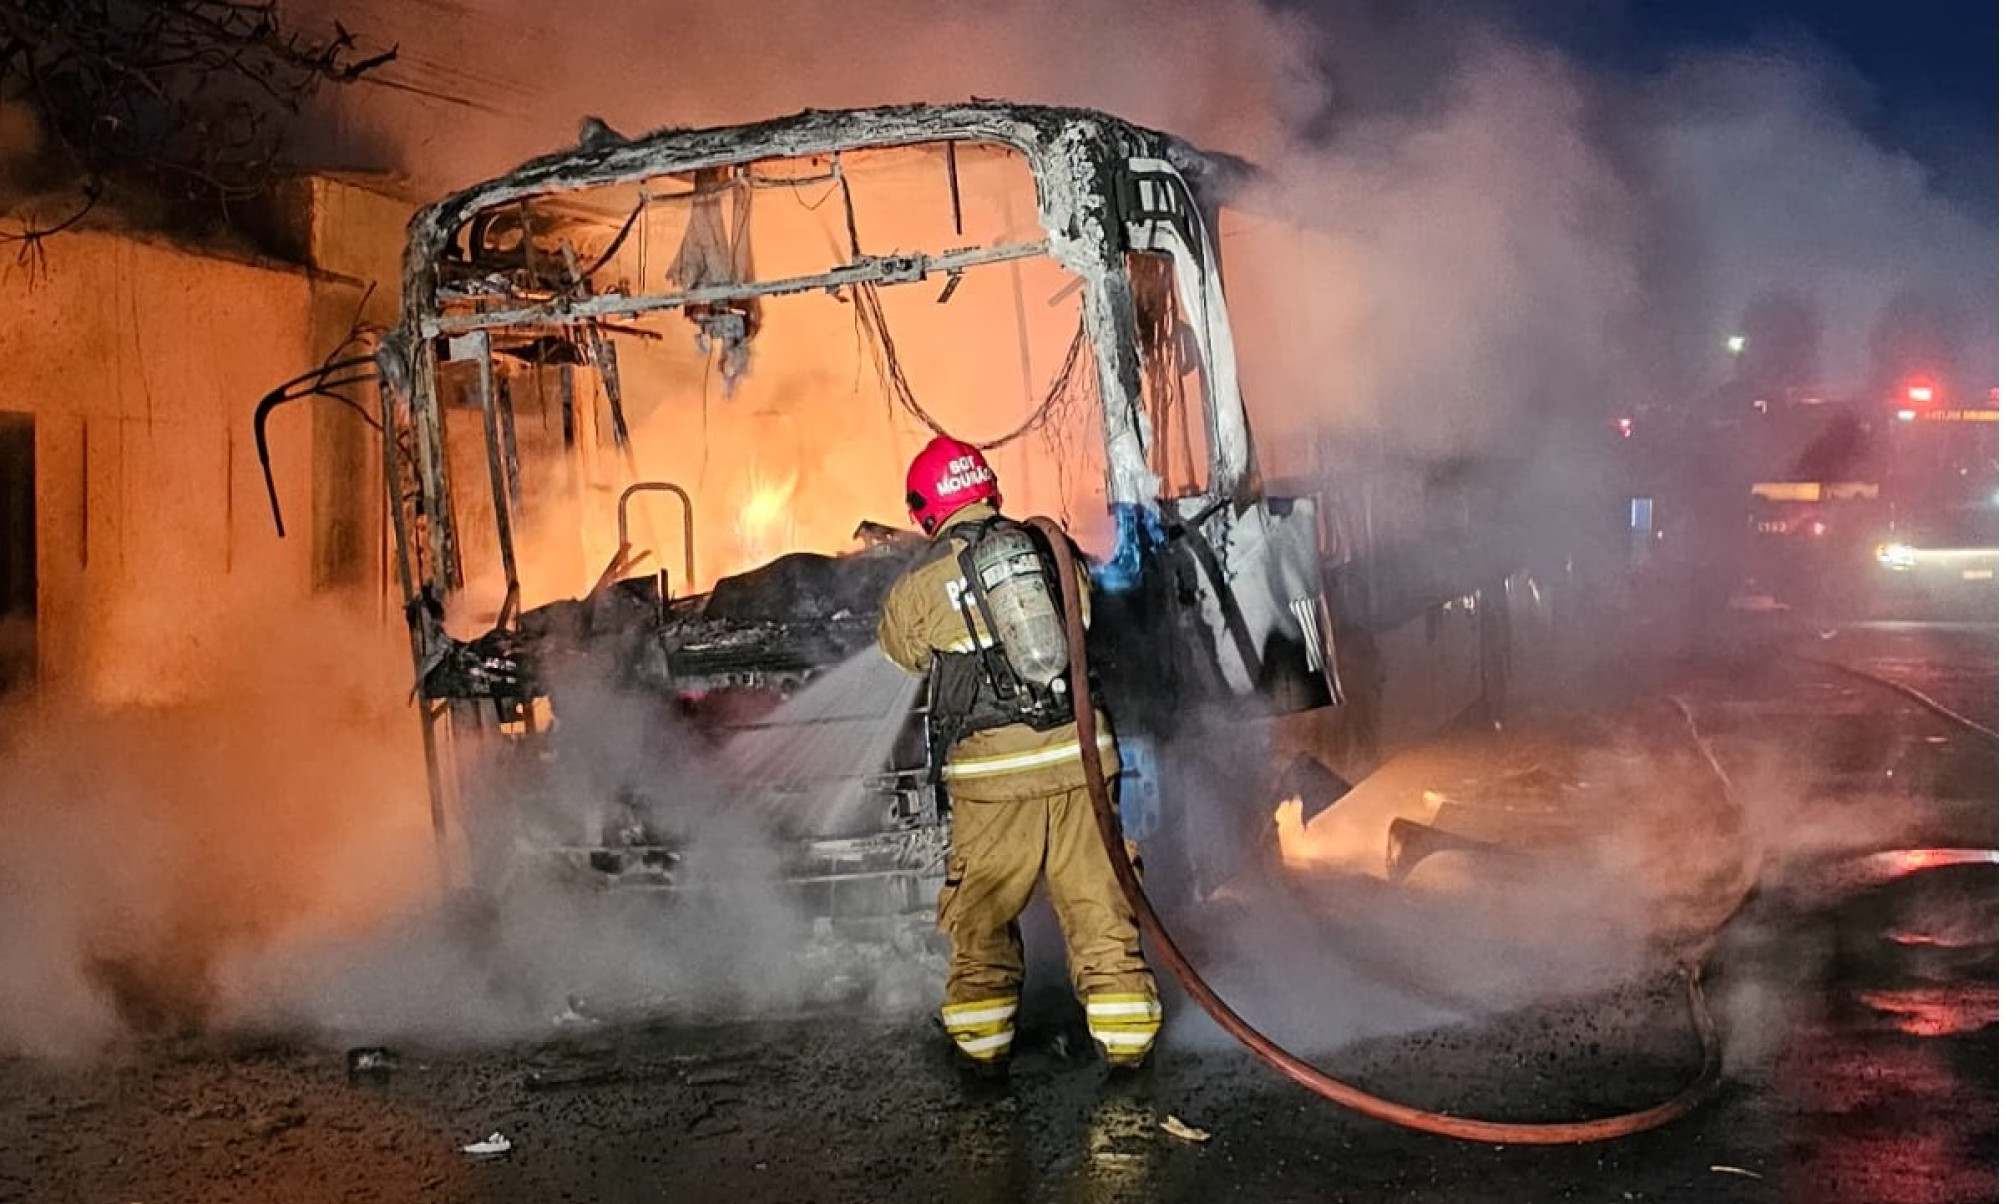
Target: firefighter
1007 752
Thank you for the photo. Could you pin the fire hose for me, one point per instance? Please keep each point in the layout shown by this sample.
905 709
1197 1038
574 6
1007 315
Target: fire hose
1265 1048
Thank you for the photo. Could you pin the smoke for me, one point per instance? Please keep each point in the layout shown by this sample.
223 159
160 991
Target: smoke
1760 179
268 863
1490 249
1475 264
1238 68
1589 852
1505 247
1579 855
1511 231
539 943
147 845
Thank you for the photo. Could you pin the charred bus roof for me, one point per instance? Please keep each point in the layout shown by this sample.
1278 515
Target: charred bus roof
1070 150
1104 190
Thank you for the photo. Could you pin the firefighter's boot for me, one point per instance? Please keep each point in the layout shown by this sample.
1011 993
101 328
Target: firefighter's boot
982 1031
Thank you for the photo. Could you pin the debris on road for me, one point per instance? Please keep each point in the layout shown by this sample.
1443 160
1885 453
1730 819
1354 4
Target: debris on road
1736 1170
1176 1128
736 1054
273 1123
712 1120
494 1145
718 1128
551 1080
574 1014
371 1060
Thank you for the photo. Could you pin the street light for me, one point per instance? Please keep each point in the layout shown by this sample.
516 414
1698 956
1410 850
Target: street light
1736 343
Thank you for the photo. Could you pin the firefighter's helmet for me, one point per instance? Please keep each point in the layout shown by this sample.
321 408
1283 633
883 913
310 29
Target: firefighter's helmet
946 476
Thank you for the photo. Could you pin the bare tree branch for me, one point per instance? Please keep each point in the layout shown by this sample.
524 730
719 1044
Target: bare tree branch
32 257
190 97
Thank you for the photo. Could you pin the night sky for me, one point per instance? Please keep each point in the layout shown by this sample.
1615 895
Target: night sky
1925 70
1930 65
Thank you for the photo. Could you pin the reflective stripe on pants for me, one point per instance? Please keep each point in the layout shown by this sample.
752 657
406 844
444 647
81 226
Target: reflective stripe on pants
981 1029
1000 852
1123 1023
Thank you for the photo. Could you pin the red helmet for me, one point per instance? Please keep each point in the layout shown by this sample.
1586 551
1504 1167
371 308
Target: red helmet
947 475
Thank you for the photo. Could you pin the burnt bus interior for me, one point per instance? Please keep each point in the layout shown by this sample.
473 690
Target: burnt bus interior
646 416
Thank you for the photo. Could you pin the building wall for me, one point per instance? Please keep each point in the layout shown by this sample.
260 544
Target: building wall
141 362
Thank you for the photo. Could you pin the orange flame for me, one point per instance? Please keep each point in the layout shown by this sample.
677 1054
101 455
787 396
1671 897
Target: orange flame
1296 848
1334 839
765 523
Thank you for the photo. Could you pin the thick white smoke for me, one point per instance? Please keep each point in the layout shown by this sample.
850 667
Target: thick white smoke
1511 245
1511 229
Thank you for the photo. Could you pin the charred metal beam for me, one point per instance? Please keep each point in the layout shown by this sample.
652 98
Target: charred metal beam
511 456
434 484
873 269
497 473
953 183
567 400
605 357
391 384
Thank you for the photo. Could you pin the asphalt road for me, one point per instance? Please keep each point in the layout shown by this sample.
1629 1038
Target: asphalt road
1856 989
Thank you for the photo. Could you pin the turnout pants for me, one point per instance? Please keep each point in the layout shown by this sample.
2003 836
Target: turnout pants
1000 849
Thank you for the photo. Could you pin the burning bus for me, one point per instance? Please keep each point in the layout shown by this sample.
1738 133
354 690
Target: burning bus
645 413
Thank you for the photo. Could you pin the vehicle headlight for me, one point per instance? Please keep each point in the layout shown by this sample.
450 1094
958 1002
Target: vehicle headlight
1896 556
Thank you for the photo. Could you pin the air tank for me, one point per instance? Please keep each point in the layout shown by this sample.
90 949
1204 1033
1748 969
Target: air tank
1011 576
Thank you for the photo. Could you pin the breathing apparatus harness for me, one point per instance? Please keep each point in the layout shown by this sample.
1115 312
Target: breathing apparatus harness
1017 674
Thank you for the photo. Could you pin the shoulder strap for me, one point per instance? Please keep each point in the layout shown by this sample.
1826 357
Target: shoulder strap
994 660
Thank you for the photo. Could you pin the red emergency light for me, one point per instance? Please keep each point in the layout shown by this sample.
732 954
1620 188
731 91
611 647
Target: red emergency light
1920 393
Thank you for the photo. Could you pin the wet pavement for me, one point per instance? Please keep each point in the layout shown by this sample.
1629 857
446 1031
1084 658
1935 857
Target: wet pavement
1856 989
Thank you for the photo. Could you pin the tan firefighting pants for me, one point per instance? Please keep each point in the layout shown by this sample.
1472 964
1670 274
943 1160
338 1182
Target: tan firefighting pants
999 852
